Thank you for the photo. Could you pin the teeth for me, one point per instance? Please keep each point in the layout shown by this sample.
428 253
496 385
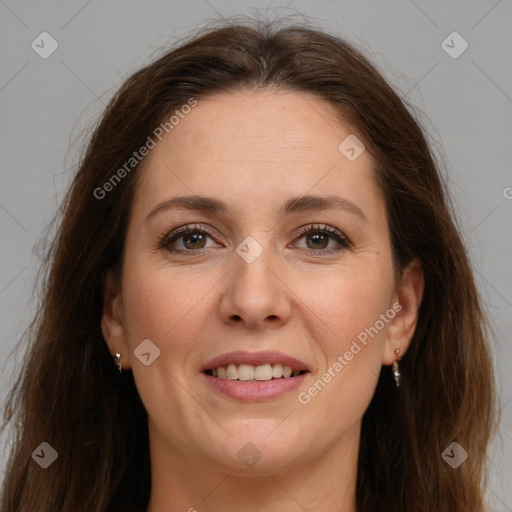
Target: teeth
248 372
263 372
277 371
232 372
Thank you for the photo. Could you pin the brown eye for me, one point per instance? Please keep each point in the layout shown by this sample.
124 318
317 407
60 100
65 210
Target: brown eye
185 240
194 240
190 240
317 239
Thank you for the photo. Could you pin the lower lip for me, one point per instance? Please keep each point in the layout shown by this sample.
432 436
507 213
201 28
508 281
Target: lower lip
255 391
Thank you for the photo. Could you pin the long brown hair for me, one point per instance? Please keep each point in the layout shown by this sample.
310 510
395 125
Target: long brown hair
67 393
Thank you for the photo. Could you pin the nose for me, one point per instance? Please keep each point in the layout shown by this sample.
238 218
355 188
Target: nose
255 292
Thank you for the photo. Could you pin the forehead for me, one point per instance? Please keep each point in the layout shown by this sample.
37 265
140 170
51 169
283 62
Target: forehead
261 125
257 146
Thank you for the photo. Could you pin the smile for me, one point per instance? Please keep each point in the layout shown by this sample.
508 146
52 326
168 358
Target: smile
251 373
254 376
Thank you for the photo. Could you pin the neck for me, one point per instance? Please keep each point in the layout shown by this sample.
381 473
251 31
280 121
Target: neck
327 483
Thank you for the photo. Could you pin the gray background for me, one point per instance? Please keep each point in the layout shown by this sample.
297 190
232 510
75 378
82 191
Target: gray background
46 104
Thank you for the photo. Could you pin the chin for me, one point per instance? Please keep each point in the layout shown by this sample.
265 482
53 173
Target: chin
247 453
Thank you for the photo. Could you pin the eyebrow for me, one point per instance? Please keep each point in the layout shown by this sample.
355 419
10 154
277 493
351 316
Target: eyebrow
293 205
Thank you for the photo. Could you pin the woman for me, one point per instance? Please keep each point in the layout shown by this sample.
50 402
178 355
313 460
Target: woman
195 350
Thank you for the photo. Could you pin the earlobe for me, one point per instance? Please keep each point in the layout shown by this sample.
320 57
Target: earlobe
112 325
409 296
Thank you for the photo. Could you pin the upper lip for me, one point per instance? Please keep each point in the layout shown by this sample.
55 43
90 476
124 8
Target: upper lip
255 359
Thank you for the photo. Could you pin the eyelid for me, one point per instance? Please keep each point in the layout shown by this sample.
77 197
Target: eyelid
167 237
322 227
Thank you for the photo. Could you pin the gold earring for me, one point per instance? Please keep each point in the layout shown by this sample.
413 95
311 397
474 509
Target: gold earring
396 369
118 362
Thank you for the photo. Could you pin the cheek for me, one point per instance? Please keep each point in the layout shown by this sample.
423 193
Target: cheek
348 304
355 309
158 306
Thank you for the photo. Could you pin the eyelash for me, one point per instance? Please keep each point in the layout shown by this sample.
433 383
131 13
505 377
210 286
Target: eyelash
167 238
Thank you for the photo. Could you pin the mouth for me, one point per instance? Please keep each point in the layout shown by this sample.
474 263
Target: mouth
255 373
254 376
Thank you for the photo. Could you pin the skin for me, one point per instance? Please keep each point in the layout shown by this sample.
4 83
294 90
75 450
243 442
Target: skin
254 150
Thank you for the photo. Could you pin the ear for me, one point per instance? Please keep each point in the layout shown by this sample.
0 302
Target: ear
407 302
112 319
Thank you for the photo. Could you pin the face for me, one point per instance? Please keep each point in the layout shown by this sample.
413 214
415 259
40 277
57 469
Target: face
258 268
